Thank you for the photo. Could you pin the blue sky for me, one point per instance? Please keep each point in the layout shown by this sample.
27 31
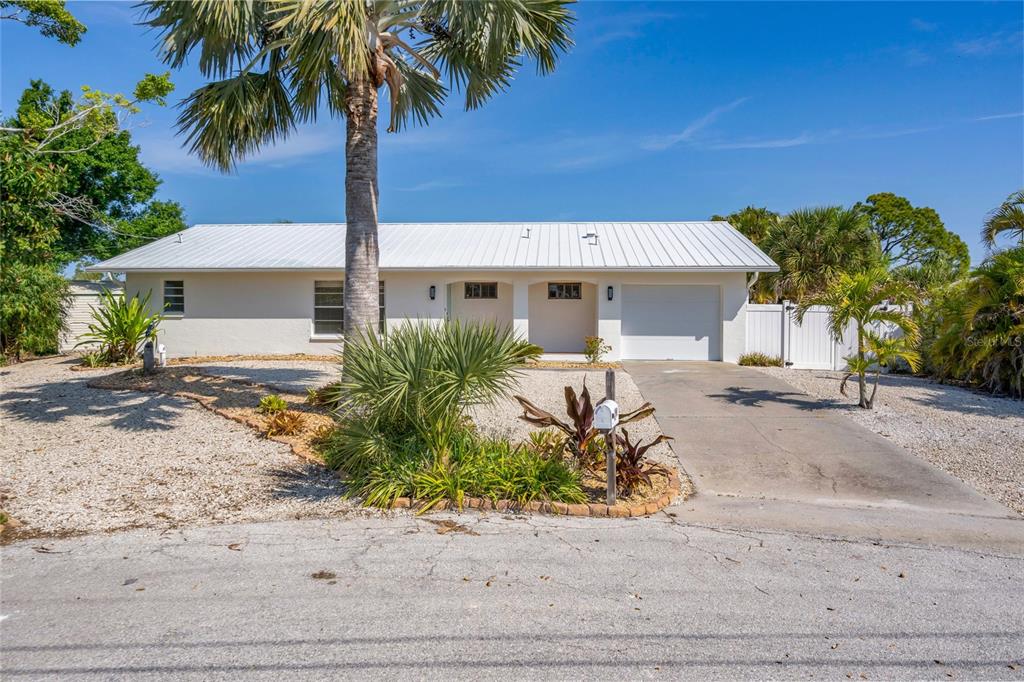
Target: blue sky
662 111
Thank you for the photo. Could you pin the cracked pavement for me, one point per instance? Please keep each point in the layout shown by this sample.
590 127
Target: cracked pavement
496 596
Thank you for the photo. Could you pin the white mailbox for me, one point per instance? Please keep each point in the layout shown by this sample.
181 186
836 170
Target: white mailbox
606 415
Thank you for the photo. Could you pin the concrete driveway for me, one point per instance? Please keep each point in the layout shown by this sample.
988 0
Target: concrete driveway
747 438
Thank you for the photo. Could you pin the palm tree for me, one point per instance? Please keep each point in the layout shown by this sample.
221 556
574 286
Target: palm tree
815 245
277 63
869 299
1008 218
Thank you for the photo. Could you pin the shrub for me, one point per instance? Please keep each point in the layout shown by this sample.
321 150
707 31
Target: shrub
631 465
580 429
419 379
756 359
475 467
975 328
595 349
94 359
547 443
272 404
319 397
120 326
285 423
33 303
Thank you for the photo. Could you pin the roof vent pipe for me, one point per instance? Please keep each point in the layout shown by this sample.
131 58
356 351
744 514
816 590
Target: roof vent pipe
526 233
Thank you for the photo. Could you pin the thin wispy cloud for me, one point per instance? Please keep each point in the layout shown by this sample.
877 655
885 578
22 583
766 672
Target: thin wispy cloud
996 117
994 43
690 132
430 185
923 25
623 26
773 143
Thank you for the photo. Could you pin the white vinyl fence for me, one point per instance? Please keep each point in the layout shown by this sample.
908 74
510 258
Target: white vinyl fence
773 329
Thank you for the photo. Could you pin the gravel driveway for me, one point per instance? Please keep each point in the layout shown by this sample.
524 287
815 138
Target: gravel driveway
978 438
80 459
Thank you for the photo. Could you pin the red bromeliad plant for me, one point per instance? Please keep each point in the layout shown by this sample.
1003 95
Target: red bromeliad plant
582 436
631 465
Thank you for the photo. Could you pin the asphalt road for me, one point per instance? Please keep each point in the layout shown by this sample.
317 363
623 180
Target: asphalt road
505 598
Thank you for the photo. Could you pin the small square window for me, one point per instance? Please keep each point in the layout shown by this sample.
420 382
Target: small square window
174 297
565 290
481 290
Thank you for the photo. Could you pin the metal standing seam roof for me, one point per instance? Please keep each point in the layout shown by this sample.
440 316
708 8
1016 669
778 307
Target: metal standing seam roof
677 246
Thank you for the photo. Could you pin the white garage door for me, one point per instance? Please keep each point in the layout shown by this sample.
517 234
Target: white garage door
671 322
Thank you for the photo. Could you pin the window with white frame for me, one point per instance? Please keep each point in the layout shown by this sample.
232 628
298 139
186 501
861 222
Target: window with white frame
565 290
477 290
329 307
174 296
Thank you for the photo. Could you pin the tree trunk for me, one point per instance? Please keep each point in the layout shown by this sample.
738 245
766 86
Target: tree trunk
861 376
361 247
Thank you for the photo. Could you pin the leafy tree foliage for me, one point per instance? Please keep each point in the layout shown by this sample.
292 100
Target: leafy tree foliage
814 246
1008 219
914 241
50 16
755 223
72 189
113 207
975 327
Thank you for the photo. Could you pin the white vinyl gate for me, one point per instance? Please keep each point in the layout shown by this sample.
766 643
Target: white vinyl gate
773 329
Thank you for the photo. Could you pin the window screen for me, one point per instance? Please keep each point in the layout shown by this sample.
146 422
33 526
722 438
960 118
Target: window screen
329 307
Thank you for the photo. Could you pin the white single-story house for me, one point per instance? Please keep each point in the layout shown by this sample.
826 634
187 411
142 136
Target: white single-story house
650 290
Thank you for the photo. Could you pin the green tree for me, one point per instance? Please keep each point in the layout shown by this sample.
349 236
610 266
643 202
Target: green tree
813 246
37 200
914 241
277 64
979 326
51 17
1007 219
869 298
754 223
112 207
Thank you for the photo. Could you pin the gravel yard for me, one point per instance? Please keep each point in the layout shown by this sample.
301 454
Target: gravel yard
81 459
976 437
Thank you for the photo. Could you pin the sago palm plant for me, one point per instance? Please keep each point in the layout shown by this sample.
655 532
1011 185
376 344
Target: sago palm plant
120 326
277 63
869 299
1008 219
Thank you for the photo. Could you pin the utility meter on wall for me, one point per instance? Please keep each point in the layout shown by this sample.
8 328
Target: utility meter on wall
606 415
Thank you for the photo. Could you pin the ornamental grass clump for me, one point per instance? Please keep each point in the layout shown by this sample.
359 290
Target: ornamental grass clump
403 429
120 326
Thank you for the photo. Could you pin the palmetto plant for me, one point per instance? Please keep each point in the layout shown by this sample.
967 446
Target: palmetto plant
277 63
1008 219
814 245
418 381
869 299
120 326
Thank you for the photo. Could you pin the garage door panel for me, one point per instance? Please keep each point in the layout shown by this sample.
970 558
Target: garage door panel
671 322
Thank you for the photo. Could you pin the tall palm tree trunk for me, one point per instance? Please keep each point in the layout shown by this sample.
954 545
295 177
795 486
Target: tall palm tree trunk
361 247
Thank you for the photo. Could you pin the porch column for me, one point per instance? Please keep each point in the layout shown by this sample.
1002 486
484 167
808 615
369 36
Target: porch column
521 309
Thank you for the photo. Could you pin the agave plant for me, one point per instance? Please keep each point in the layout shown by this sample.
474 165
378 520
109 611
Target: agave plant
631 464
580 427
121 325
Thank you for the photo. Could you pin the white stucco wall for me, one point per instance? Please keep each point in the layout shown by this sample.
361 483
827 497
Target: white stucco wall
559 326
228 313
481 309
